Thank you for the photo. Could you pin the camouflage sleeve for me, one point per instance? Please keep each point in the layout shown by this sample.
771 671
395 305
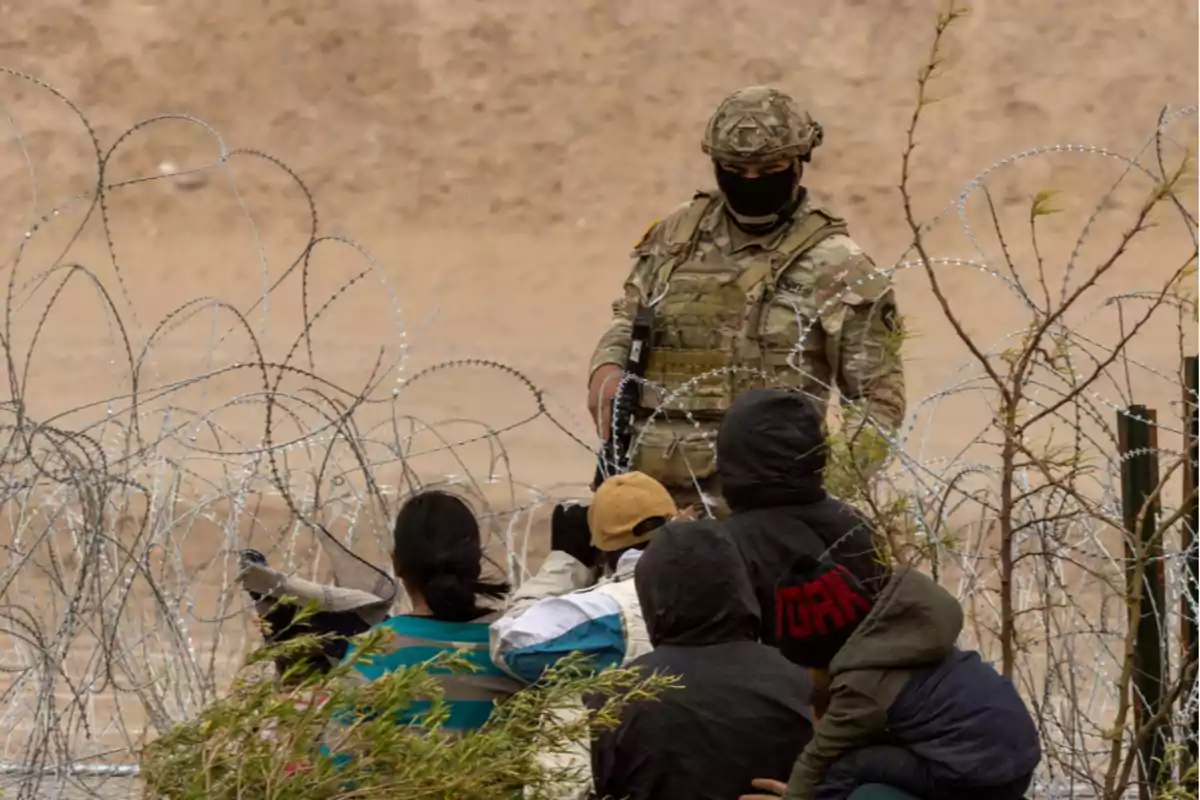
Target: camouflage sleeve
613 347
863 331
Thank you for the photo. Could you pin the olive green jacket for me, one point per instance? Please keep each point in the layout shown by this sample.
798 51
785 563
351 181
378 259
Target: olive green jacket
914 623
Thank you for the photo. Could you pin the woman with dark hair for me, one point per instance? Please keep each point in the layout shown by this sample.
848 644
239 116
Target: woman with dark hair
438 557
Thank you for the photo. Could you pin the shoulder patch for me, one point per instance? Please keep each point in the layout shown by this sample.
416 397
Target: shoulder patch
861 282
887 314
646 235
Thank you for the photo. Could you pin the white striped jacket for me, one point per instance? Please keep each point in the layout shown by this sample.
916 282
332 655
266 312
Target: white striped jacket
557 612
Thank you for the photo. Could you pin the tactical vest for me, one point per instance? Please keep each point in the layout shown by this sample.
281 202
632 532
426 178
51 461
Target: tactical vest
706 347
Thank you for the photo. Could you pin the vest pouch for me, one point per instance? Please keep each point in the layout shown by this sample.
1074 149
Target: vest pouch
749 378
674 452
712 389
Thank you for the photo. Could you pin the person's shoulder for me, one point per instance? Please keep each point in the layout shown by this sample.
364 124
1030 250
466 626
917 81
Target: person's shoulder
964 675
841 267
839 509
676 225
763 535
771 660
758 532
652 664
767 671
658 662
436 630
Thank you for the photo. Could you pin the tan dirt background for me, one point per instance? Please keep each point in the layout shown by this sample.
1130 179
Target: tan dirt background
499 159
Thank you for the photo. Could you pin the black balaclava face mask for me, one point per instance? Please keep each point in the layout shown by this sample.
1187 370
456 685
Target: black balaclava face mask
762 203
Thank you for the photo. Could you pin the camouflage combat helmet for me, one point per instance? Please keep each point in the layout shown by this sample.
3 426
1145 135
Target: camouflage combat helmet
759 123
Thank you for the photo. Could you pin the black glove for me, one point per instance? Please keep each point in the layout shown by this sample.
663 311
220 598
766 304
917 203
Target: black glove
569 533
245 559
248 557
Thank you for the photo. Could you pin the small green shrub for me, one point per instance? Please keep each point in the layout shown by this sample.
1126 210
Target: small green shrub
264 739
1177 762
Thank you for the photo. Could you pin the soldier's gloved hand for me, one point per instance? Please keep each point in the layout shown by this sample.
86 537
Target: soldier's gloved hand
569 533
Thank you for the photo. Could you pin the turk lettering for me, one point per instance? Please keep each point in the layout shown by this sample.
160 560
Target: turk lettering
818 606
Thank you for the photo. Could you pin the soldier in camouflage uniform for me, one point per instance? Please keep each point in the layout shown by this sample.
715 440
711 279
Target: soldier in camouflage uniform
751 285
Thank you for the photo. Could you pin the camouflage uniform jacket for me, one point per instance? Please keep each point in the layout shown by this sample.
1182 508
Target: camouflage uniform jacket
802 306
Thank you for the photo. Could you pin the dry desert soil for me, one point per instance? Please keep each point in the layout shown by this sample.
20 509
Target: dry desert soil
494 161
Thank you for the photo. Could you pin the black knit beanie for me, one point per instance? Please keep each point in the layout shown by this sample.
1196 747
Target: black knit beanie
818 605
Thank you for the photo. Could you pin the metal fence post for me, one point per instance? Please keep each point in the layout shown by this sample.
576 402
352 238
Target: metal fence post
1137 432
1189 600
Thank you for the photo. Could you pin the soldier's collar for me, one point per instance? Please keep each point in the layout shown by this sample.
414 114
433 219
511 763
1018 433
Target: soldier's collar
740 239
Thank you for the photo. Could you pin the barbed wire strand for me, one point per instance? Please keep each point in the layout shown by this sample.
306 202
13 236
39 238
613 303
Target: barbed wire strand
118 612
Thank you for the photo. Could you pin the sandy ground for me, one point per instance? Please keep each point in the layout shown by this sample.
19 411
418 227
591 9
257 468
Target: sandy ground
497 160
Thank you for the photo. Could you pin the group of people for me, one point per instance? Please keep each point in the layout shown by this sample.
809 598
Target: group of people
807 666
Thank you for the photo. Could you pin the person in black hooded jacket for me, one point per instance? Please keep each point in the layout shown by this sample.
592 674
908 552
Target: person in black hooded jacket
740 710
771 454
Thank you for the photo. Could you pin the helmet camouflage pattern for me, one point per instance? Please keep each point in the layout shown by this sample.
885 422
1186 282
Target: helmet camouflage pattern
757 124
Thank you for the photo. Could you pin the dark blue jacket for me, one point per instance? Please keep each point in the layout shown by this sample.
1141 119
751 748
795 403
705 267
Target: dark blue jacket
967 721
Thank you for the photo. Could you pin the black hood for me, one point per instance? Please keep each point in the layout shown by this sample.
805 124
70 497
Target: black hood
771 450
693 587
